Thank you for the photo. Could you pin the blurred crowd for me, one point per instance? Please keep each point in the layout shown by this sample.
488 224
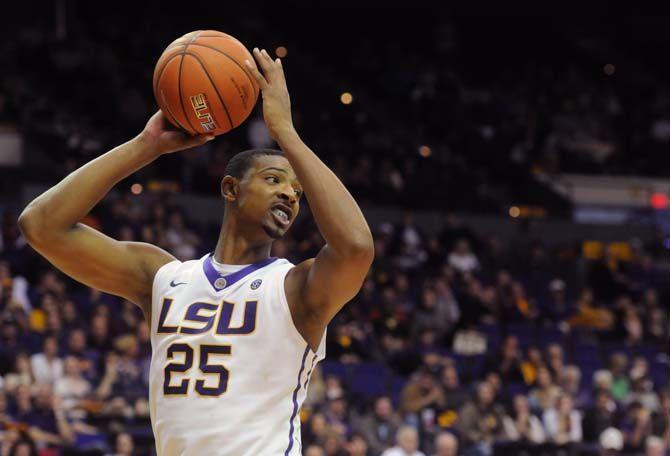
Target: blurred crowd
458 343
482 117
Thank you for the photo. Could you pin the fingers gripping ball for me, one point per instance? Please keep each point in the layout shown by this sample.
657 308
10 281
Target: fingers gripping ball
202 84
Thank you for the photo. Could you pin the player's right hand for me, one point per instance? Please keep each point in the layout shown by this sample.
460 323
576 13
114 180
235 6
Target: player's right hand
162 138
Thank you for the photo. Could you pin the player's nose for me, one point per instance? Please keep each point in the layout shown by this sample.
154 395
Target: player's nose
287 193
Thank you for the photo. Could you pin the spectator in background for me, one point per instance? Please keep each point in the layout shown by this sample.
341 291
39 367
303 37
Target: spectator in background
562 422
380 427
314 450
521 425
21 374
654 446
599 417
421 392
637 426
462 258
46 366
661 419
72 387
438 311
610 442
507 362
357 446
641 386
123 445
620 383
455 395
545 394
570 379
407 443
480 420
446 444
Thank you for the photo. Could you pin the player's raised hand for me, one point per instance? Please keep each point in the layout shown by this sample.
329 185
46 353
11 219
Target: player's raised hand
163 138
276 100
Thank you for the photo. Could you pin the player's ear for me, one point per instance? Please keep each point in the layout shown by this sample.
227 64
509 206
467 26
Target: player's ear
229 188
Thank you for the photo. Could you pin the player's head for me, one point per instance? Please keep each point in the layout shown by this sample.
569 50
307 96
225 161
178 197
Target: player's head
262 191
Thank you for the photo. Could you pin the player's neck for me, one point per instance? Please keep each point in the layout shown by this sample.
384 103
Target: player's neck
234 248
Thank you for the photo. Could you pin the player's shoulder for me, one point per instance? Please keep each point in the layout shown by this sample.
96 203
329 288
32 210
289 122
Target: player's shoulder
174 270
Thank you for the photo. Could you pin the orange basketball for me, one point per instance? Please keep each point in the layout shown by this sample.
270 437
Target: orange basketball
202 85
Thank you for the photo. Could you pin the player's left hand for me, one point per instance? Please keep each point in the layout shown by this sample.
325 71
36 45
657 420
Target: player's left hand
276 100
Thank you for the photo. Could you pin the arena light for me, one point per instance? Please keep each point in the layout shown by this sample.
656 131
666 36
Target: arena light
425 151
346 98
281 51
136 189
609 69
658 201
514 211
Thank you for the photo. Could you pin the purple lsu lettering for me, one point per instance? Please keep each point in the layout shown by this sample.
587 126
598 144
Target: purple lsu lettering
202 111
194 313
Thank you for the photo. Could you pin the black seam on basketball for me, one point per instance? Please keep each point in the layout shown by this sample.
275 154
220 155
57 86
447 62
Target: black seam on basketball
160 75
204 68
181 98
171 114
251 79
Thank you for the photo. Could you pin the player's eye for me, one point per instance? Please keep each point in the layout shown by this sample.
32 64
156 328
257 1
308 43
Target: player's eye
298 193
272 179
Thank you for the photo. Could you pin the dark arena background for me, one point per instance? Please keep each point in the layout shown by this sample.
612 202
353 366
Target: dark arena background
513 172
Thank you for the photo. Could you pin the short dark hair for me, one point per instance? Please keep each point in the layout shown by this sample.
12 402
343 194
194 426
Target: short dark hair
242 161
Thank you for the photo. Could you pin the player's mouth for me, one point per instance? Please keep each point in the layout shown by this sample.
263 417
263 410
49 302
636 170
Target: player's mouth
282 215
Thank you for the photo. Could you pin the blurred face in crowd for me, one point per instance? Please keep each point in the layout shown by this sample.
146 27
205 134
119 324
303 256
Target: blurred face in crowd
665 402
408 439
22 449
44 396
124 444
357 446
22 364
72 367
338 407
654 447
450 377
77 341
314 450
521 404
446 445
50 347
484 394
510 347
383 408
23 397
99 326
564 403
268 182
603 401
429 299
318 424
543 377
571 378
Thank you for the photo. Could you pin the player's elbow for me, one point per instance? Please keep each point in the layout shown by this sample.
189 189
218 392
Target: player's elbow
31 225
361 249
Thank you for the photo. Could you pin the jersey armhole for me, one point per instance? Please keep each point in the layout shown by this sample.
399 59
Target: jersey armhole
159 275
281 291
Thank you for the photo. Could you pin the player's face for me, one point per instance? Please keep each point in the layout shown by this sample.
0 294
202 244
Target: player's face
270 195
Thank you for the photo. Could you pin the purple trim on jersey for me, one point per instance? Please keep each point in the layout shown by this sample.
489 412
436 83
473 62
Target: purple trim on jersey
213 275
309 372
295 402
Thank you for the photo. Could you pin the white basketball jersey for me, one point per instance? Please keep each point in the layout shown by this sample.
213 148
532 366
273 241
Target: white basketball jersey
229 370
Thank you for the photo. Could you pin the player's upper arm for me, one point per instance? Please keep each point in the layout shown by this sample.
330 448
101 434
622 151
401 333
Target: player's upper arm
330 280
124 269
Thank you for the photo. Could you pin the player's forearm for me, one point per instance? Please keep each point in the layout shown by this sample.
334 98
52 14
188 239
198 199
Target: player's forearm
337 215
62 206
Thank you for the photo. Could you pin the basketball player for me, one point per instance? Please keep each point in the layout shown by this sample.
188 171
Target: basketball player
237 333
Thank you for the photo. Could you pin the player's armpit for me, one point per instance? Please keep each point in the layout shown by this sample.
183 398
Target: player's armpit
123 269
321 286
